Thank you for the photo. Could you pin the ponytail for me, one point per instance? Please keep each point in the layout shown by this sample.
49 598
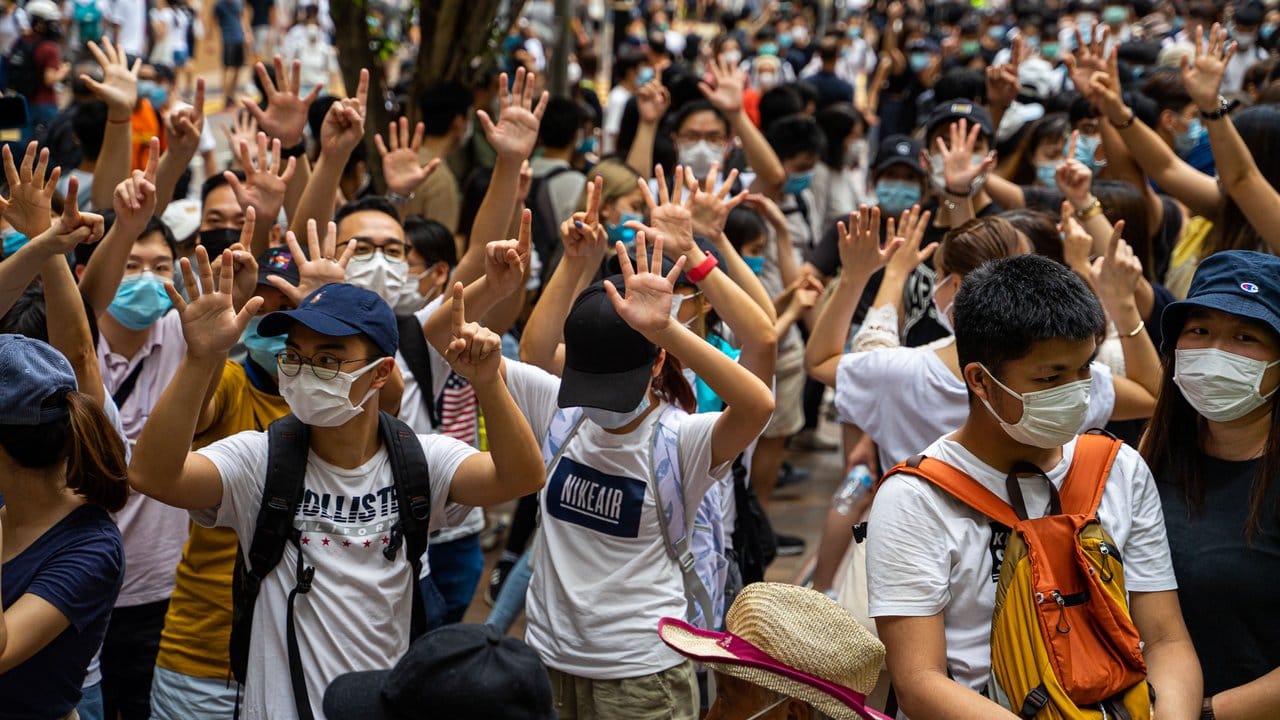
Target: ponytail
671 385
96 469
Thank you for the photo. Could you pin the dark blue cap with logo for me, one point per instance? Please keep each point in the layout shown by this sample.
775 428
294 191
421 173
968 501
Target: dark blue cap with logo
340 310
33 380
949 112
1240 282
898 150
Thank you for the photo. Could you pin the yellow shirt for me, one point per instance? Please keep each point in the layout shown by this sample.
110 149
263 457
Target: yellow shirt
197 628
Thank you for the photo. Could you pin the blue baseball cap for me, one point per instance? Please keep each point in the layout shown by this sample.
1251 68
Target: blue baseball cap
1240 282
340 310
33 380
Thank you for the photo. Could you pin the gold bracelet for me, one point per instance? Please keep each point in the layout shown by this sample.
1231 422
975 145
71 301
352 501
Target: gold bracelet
1090 212
1141 325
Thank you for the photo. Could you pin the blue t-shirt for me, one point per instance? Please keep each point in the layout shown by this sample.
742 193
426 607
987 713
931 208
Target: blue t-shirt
229 14
77 566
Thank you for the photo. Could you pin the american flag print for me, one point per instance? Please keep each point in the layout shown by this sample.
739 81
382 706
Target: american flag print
457 410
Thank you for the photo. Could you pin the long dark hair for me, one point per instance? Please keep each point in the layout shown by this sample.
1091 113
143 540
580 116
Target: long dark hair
85 440
672 387
1259 127
1173 449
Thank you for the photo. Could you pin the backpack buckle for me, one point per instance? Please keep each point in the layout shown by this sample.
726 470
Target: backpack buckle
686 561
420 508
304 580
1034 702
397 538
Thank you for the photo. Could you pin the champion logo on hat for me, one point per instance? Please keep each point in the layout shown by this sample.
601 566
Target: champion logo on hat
1249 287
903 148
961 107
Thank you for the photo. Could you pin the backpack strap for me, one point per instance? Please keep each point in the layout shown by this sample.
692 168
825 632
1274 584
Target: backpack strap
413 494
417 355
677 523
958 485
1091 463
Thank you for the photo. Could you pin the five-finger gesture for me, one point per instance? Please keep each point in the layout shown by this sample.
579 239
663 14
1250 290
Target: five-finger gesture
210 324
30 194
516 131
961 169
343 126
134 199
669 219
74 227
506 260
266 179
709 206
243 129
909 228
647 304
246 265
1202 76
185 124
723 86
400 165
286 115
318 267
1117 273
582 234
652 101
859 243
474 351
119 86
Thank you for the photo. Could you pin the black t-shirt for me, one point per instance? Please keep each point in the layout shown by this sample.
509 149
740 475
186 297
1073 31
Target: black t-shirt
1229 589
260 12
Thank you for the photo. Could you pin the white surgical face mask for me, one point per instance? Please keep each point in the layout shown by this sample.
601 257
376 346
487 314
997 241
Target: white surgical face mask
731 57
856 154
323 403
378 275
944 313
937 169
1050 418
699 157
1220 385
610 420
411 300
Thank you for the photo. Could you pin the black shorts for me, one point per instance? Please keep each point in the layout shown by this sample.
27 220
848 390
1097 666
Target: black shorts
233 55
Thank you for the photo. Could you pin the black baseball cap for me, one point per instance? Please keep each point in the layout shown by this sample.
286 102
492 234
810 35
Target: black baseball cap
960 109
606 363
1240 282
277 261
898 150
340 310
457 671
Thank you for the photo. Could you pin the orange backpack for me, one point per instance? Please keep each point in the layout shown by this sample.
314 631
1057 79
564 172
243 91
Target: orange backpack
1062 642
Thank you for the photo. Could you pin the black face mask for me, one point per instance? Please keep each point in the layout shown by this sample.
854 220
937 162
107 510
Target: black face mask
217 240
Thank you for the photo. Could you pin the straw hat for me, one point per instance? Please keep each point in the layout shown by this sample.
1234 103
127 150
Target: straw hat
791 640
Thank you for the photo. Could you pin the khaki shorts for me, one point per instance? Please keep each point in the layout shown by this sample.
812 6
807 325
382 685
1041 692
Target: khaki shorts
668 695
788 395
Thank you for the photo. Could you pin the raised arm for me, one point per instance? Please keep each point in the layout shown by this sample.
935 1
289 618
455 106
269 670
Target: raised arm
723 85
1117 276
266 182
163 466
341 131
50 242
963 178
119 90
65 316
652 101
401 169
911 227
134 201
182 140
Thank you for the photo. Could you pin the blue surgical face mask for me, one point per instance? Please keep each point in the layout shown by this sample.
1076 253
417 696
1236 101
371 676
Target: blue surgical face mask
897 196
768 49
152 91
262 350
645 77
1087 152
13 241
997 32
1186 141
586 145
1046 173
797 183
140 301
786 40
919 61
755 262
621 232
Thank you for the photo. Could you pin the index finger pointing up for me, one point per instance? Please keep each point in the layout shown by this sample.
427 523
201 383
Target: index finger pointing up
458 307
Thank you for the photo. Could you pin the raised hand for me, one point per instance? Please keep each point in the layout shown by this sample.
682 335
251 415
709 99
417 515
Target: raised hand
266 179
119 86
400 165
286 115
72 227
243 129
647 305
319 266
1105 90
1073 177
1202 76
767 209
722 85
506 260
343 126
859 243
474 351
134 199
1116 275
516 131
185 125
246 265
961 173
582 234
652 101
808 292
669 219
30 195
708 206
525 184
909 228
1077 244
210 324
1003 85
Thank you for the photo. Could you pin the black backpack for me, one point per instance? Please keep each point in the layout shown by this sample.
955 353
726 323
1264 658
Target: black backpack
413 347
754 542
24 78
288 444
545 231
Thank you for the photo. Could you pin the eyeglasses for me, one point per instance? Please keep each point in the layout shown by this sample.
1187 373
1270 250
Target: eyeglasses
323 365
394 252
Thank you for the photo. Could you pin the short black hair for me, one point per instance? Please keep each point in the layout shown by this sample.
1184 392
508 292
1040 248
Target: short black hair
442 103
155 225
89 125
697 106
560 123
796 134
372 202
215 181
960 83
779 102
432 240
742 226
1007 305
1164 85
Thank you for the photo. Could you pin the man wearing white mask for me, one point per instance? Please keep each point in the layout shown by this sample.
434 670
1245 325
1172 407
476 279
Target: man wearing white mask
308 42
1244 31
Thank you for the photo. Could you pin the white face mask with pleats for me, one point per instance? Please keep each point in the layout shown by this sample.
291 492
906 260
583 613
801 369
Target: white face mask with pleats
1050 418
1220 385
324 403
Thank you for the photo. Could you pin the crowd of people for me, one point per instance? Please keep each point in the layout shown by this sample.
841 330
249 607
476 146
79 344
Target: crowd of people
252 413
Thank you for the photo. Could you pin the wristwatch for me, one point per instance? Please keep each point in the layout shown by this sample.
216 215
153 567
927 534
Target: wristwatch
1206 710
399 199
1224 106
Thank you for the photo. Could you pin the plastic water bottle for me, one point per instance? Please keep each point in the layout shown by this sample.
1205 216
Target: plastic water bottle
855 486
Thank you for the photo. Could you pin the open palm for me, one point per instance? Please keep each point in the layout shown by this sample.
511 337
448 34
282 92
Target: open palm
119 85
647 304
516 132
1202 76
30 195
400 166
210 324
286 115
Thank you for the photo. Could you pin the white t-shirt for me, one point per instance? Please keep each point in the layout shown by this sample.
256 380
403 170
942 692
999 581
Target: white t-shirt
614 105
928 401
131 17
602 578
357 615
929 553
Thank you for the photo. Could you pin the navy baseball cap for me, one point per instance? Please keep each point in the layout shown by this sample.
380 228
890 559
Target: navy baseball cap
898 150
277 261
34 378
1240 282
949 112
340 310
457 671
606 363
